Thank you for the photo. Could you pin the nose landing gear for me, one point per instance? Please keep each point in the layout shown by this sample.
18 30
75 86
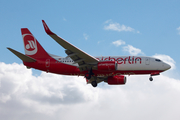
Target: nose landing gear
153 74
151 79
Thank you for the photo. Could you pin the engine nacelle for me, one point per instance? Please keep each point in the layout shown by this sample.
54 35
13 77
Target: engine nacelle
107 66
116 80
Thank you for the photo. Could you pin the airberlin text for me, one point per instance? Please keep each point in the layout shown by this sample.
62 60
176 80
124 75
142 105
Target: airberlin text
120 60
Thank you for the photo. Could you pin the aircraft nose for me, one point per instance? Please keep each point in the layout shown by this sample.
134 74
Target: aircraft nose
166 66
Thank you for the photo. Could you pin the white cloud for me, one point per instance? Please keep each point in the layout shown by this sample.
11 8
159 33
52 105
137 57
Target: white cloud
166 59
118 43
132 50
49 96
117 27
178 29
86 36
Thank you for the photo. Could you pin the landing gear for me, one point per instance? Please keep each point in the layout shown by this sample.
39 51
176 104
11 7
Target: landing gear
94 83
89 74
153 74
151 79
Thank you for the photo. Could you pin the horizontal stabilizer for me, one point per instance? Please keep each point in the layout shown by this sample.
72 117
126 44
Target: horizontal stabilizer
22 56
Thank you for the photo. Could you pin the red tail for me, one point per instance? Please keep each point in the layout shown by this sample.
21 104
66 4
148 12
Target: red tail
32 47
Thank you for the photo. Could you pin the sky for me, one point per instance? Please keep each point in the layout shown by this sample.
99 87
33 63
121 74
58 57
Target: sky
100 28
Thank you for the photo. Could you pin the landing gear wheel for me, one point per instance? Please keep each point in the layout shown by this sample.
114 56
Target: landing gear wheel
151 79
88 76
94 83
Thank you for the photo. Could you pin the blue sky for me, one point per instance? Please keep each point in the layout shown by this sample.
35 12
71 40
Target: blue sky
157 22
155 26
108 28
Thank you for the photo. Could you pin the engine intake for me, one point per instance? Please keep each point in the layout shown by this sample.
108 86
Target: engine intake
107 66
116 80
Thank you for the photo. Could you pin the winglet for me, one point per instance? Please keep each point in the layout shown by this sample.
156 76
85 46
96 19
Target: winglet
48 31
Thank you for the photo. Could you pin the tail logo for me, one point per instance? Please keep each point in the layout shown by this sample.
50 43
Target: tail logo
30 44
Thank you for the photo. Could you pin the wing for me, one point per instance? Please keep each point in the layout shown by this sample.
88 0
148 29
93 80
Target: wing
84 60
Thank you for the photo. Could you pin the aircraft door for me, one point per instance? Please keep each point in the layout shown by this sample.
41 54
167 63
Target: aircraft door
147 60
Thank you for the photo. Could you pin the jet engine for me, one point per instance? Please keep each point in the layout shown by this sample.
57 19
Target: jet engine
107 66
116 80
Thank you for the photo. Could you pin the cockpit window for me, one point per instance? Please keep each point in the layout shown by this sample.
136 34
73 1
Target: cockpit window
158 60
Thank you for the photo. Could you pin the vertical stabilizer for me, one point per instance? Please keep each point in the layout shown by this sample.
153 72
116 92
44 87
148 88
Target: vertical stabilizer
31 45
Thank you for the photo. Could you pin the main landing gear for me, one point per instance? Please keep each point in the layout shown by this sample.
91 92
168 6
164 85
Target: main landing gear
89 76
94 83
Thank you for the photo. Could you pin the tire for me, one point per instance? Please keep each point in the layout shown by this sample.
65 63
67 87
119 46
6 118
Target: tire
151 79
94 83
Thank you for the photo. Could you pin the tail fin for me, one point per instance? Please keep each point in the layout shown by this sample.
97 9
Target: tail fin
31 45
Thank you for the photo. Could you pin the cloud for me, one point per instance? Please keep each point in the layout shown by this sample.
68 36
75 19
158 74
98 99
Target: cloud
86 36
117 27
132 50
50 96
166 59
178 29
118 43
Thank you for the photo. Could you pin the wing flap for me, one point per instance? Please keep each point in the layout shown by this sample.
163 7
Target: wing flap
22 56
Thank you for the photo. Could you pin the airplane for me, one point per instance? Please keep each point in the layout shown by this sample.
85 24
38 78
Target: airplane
110 69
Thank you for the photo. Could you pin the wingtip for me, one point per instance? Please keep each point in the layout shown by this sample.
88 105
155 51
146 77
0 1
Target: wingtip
48 31
8 48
